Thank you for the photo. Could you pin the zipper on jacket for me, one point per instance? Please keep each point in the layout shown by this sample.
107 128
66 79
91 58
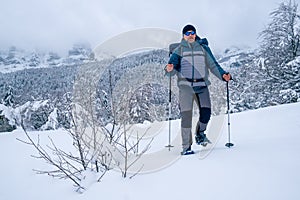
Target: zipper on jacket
193 63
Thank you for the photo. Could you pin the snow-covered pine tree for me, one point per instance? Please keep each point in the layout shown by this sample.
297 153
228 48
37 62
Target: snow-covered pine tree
280 40
8 99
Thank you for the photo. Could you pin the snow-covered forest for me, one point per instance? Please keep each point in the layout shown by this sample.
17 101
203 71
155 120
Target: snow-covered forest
37 88
86 119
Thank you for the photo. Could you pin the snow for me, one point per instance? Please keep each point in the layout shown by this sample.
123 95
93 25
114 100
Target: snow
295 62
52 122
36 105
6 111
263 164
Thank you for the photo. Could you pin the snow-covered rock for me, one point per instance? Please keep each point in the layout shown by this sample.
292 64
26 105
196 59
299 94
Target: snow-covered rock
7 119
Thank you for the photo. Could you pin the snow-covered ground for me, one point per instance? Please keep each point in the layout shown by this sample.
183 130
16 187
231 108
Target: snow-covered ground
263 164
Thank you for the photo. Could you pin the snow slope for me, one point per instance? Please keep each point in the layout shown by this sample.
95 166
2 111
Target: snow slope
263 164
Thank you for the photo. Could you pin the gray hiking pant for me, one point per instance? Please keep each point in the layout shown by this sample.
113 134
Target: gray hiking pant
186 98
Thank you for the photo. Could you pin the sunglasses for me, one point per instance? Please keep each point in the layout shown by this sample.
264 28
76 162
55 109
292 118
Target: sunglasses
190 33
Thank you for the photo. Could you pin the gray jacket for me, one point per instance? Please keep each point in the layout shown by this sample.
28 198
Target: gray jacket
192 63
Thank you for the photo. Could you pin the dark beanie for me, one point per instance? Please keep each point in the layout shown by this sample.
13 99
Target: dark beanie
188 28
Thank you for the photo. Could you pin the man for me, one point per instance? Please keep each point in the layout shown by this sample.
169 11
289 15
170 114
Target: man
191 61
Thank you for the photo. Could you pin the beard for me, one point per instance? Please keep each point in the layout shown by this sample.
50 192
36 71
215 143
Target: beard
191 40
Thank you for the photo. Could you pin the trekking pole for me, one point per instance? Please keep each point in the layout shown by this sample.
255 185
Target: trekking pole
229 144
170 108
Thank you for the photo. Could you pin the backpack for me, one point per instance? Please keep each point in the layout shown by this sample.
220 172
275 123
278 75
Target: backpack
172 47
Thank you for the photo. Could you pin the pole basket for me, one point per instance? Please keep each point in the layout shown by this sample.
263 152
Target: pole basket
229 144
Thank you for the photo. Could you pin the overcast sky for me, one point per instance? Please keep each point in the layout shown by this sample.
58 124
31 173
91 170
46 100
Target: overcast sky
57 24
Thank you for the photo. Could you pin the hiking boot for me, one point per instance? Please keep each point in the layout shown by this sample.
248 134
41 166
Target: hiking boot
205 142
187 151
201 139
